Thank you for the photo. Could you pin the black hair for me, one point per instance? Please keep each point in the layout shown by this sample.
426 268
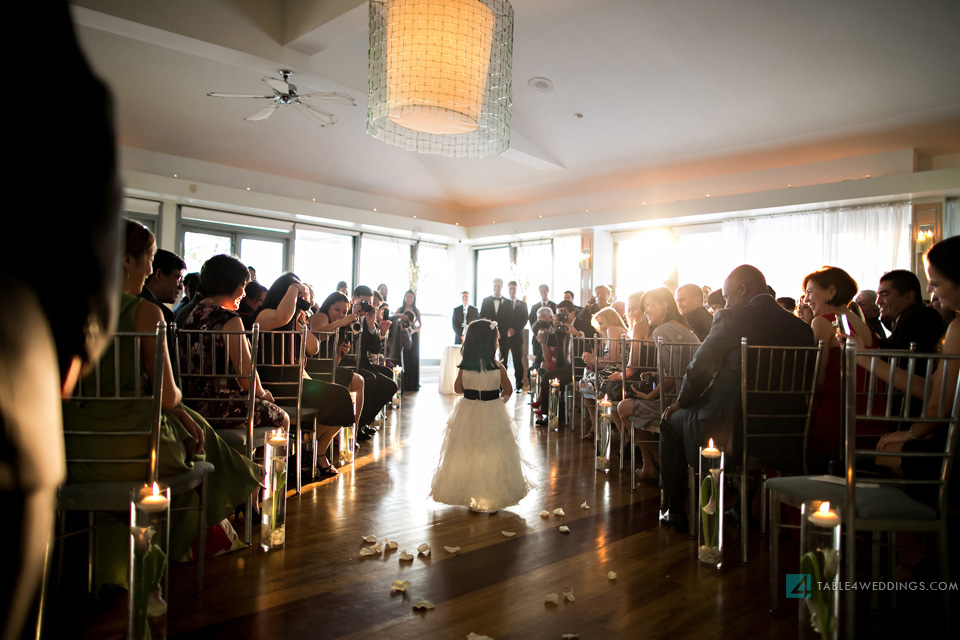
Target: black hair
275 295
904 282
570 292
945 258
168 262
567 306
716 297
362 290
479 348
663 296
341 285
191 282
787 301
512 282
253 289
331 300
222 274
413 306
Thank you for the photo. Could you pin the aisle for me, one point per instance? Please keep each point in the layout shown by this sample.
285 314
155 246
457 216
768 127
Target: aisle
320 587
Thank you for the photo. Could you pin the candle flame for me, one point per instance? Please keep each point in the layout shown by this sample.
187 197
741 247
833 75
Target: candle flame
156 489
710 446
824 508
606 398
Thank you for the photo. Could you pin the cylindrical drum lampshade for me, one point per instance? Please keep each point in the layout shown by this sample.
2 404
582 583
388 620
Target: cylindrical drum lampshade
439 76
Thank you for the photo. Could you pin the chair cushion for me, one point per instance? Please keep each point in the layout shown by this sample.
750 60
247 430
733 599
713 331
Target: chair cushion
237 438
885 502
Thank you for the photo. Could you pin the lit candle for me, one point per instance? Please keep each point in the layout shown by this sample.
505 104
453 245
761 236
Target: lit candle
710 451
277 438
396 371
151 500
606 401
824 517
554 383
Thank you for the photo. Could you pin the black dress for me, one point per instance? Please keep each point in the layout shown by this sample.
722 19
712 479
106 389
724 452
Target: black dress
411 362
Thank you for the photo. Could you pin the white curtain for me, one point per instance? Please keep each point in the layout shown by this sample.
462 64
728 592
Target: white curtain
864 241
951 218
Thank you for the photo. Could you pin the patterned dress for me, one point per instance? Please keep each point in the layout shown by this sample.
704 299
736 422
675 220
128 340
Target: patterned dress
222 415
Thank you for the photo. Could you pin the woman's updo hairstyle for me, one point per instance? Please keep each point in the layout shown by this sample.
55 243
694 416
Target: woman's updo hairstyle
139 239
222 274
845 286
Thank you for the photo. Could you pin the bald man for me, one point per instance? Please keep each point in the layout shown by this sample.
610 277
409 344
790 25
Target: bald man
690 302
709 402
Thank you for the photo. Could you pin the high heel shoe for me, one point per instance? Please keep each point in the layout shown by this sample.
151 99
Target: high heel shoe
328 471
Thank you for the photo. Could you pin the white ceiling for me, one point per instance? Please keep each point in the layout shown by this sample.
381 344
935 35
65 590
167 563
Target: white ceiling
668 89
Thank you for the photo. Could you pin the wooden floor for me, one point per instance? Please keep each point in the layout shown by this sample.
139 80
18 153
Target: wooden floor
319 586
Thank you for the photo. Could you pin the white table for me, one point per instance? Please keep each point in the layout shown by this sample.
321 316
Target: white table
449 365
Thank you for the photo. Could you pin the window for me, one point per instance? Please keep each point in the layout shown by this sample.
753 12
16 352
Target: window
199 246
645 261
566 268
323 259
435 299
534 267
386 261
491 263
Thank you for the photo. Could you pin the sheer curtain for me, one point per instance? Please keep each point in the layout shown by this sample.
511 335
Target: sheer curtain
951 218
864 241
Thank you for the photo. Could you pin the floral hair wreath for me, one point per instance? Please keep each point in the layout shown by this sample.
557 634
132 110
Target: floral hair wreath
493 324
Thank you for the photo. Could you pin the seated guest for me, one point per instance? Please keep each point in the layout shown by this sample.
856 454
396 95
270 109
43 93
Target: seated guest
185 436
715 301
378 380
611 328
788 303
222 280
332 316
252 272
803 310
164 285
901 304
709 402
557 360
621 308
867 301
690 303
254 293
190 283
542 323
282 310
663 316
463 314
829 293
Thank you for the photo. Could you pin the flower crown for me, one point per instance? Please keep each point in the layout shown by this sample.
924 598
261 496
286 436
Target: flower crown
493 324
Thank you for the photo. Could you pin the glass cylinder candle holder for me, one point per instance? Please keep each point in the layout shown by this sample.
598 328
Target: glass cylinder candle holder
710 538
819 570
149 537
273 510
553 420
604 431
348 436
534 383
395 403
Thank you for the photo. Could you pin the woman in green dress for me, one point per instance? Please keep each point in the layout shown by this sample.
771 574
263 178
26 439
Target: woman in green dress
185 436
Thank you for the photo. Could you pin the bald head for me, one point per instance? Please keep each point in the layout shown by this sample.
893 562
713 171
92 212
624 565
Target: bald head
742 285
689 297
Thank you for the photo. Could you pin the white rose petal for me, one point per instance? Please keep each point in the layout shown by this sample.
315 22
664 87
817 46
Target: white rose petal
424 605
451 549
568 594
366 551
404 556
391 544
552 598
564 529
544 514
559 512
612 575
369 538
570 636
400 585
424 549
584 506
477 636
509 534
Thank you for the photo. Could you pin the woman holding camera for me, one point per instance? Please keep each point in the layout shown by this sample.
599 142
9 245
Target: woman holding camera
284 309
332 316
411 355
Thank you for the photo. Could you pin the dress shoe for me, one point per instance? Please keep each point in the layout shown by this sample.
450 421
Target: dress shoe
676 521
542 422
364 434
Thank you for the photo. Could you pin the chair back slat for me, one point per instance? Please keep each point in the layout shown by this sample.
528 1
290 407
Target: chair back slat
670 368
323 364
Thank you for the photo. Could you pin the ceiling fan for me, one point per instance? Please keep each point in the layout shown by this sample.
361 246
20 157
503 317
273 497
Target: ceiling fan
286 93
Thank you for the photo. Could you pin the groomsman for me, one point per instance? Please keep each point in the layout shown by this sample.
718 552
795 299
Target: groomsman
462 316
515 334
500 310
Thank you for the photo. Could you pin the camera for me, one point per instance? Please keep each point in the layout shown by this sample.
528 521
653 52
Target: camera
563 317
366 307
302 305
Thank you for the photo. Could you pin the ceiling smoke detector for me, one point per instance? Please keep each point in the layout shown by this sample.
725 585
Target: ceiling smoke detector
542 85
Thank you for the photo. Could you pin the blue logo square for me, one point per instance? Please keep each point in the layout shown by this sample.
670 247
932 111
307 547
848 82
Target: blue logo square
799 585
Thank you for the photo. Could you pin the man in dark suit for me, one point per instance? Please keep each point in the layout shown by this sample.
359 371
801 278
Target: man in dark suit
709 402
690 303
500 310
462 316
544 302
901 304
514 330
164 285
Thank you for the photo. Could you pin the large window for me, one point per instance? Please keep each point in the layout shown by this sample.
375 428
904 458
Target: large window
644 261
491 263
386 261
435 299
566 268
261 243
198 246
323 259
534 267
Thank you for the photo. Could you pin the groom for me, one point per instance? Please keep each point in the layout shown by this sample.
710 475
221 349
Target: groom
500 310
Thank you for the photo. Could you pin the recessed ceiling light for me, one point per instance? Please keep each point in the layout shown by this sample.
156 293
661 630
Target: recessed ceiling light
579 116
174 175
248 188
543 85
457 223
374 209
540 216
868 175
314 199
414 217
708 195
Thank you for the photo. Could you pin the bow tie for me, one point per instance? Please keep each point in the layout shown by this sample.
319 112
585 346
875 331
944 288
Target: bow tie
498 299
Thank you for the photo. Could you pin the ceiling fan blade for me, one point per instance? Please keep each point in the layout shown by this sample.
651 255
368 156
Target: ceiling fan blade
329 97
264 113
237 95
321 117
279 86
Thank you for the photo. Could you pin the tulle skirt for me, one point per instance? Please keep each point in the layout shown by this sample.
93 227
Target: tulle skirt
480 462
